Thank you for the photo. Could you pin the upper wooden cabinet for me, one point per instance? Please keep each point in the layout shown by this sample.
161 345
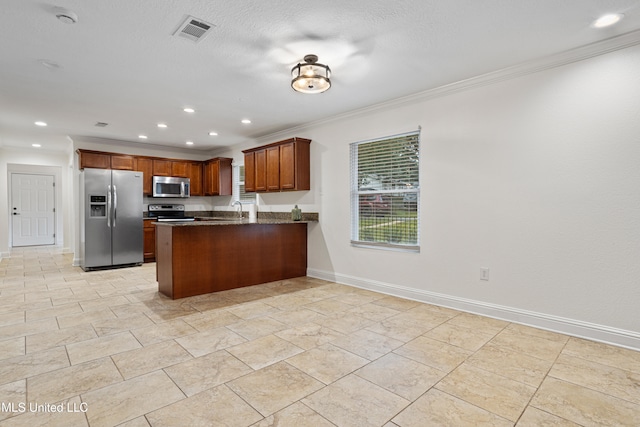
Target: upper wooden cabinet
162 167
122 162
94 159
281 166
210 178
145 165
100 160
180 168
195 176
217 177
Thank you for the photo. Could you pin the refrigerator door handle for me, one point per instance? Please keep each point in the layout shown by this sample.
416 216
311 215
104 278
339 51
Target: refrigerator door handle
109 206
115 205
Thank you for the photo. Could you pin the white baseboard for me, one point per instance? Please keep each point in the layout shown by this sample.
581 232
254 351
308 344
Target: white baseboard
576 328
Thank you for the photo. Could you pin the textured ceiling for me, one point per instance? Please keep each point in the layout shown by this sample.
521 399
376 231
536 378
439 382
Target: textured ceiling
121 65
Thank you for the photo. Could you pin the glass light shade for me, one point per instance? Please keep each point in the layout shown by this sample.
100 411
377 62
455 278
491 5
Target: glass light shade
310 77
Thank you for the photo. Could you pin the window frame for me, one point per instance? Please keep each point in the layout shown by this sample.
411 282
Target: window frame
250 198
357 191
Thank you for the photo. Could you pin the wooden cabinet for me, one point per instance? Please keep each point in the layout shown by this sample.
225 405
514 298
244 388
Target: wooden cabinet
281 166
101 160
195 260
161 167
217 177
149 231
273 168
180 168
93 159
145 165
122 162
260 168
250 172
195 175
219 183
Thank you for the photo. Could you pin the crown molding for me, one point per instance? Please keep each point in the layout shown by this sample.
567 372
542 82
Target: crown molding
560 59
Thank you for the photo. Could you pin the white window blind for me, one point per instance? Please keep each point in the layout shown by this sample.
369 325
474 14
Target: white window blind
238 191
385 192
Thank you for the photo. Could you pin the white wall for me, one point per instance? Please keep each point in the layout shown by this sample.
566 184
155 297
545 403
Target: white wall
18 160
536 178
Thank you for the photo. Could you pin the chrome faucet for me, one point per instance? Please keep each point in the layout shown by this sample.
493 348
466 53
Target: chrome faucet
240 208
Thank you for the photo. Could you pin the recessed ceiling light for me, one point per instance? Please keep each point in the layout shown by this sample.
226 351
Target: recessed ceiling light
212 133
162 125
246 121
40 123
65 15
189 142
189 110
607 20
142 136
36 145
49 64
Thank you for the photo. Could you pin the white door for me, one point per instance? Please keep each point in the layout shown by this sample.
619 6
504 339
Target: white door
32 210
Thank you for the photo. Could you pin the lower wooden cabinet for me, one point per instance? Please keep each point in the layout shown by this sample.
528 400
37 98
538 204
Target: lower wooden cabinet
149 232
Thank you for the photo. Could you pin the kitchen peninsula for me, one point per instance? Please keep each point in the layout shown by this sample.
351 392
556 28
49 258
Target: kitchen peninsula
195 258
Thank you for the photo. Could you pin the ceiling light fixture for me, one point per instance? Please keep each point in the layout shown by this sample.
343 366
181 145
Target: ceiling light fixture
189 110
48 64
65 15
607 20
142 136
246 121
310 76
189 142
36 145
40 124
212 133
162 125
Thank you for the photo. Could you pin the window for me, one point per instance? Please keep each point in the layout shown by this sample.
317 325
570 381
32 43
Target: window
385 192
238 189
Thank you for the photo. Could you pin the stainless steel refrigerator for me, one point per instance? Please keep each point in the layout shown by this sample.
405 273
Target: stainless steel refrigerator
110 218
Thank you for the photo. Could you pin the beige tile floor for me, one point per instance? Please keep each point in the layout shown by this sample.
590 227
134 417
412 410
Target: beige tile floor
105 349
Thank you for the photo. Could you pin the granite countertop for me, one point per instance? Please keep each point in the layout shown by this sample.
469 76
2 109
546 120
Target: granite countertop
211 221
208 218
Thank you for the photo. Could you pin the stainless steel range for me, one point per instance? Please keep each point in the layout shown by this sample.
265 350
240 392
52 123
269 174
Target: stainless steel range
166 213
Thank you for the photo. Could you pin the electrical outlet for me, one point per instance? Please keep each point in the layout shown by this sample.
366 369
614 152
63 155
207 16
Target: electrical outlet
484 273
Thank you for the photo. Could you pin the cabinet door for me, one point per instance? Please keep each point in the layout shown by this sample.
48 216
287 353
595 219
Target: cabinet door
249 172
180 169
145 166
162 167
261 170
225 176
149 231
122 162
212 175
195 175
273 168
287 166
94 160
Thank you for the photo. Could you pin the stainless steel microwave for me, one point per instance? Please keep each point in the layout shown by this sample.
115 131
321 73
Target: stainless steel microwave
169 186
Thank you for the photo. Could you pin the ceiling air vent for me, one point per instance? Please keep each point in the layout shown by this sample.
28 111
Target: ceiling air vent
101 124
193 29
